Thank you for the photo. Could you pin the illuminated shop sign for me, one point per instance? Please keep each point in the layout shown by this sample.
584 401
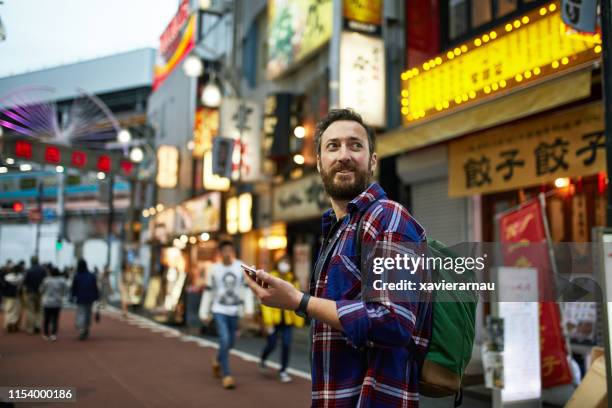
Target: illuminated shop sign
519 53
238 212
167 166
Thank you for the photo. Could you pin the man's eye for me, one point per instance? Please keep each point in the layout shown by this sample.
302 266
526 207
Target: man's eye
332 146
357 145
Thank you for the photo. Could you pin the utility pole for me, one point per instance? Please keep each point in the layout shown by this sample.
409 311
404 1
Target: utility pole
111 214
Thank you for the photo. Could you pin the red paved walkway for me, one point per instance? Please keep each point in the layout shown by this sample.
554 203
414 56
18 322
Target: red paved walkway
122 365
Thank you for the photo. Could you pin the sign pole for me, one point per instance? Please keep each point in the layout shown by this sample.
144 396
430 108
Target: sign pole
606 30
111 214
39 220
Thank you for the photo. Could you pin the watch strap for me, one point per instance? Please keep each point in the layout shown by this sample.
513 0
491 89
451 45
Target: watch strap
302 308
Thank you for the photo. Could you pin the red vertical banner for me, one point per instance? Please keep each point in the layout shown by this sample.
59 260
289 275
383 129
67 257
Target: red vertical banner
518 229
422 31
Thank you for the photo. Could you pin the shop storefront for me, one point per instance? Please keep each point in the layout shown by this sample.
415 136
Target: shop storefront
186 236
299 204
491 124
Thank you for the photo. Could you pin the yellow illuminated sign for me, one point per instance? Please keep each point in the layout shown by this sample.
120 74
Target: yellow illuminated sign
238 213
521 52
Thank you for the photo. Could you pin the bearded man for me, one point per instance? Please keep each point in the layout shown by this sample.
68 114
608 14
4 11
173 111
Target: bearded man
365 352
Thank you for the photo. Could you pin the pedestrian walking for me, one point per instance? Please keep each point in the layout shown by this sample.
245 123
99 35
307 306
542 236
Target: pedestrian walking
84 292
225 281
280 323
11 281
52 290
31 296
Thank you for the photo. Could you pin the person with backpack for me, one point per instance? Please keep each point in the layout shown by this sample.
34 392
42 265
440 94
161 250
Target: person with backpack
364 353
84 292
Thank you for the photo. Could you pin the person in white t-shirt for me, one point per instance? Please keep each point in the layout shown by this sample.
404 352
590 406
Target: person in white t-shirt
225 280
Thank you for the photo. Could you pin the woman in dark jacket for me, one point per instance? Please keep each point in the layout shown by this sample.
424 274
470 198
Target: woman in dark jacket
84 292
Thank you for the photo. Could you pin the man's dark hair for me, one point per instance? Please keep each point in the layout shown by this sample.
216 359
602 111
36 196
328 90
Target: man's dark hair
225 243
335 115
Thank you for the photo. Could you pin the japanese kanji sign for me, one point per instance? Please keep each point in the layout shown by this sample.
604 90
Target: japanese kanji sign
241 121
362 76
566 144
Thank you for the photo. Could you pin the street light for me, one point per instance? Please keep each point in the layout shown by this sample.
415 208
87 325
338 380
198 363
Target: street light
25 167
211 95
59 169
299 132
124 136
101 176
136 154
298 159
193 66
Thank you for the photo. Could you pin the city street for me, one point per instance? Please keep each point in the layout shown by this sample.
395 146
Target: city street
137 364
140 363
403 182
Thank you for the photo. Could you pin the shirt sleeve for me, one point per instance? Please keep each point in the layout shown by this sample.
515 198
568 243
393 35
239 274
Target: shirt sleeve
210 281
388 320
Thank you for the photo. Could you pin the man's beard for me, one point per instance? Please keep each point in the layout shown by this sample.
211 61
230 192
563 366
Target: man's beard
345 190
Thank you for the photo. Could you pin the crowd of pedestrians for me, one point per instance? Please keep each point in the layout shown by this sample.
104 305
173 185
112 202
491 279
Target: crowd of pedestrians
32 298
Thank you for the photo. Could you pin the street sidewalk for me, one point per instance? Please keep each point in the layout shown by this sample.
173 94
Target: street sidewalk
139 363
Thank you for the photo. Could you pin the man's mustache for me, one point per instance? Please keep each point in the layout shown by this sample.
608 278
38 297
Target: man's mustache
342 167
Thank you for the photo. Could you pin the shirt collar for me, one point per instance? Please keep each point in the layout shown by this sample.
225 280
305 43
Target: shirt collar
360 203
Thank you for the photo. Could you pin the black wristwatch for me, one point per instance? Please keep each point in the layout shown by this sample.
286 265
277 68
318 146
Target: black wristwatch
302 308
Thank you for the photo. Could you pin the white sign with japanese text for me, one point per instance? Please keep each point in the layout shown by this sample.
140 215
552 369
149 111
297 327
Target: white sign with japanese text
362 77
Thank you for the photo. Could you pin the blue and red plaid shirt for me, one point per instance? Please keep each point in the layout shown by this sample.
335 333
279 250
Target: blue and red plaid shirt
376 359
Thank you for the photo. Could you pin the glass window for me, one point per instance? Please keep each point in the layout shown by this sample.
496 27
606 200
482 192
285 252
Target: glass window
481 12
505 7
458 18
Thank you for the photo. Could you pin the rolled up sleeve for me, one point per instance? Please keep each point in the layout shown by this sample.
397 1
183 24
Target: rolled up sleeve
377 324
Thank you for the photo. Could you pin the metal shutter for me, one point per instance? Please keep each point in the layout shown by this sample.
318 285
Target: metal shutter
443 218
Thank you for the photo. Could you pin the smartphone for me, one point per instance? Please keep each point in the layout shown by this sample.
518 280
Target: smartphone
253 275
250 271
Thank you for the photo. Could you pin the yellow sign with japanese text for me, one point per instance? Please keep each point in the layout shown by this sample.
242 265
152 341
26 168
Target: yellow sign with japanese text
517 54
569 143
363 11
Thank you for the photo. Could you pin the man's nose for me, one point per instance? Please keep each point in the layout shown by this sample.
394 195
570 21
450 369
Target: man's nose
344 154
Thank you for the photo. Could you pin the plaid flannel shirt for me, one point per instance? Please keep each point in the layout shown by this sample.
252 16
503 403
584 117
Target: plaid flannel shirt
376 359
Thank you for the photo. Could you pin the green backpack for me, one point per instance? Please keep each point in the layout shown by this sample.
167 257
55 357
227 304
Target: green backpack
453 330
453 327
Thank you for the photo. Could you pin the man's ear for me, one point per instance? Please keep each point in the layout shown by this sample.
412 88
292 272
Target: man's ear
374 162
318 163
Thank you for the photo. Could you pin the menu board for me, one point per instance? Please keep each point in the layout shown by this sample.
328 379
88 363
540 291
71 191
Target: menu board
521 355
